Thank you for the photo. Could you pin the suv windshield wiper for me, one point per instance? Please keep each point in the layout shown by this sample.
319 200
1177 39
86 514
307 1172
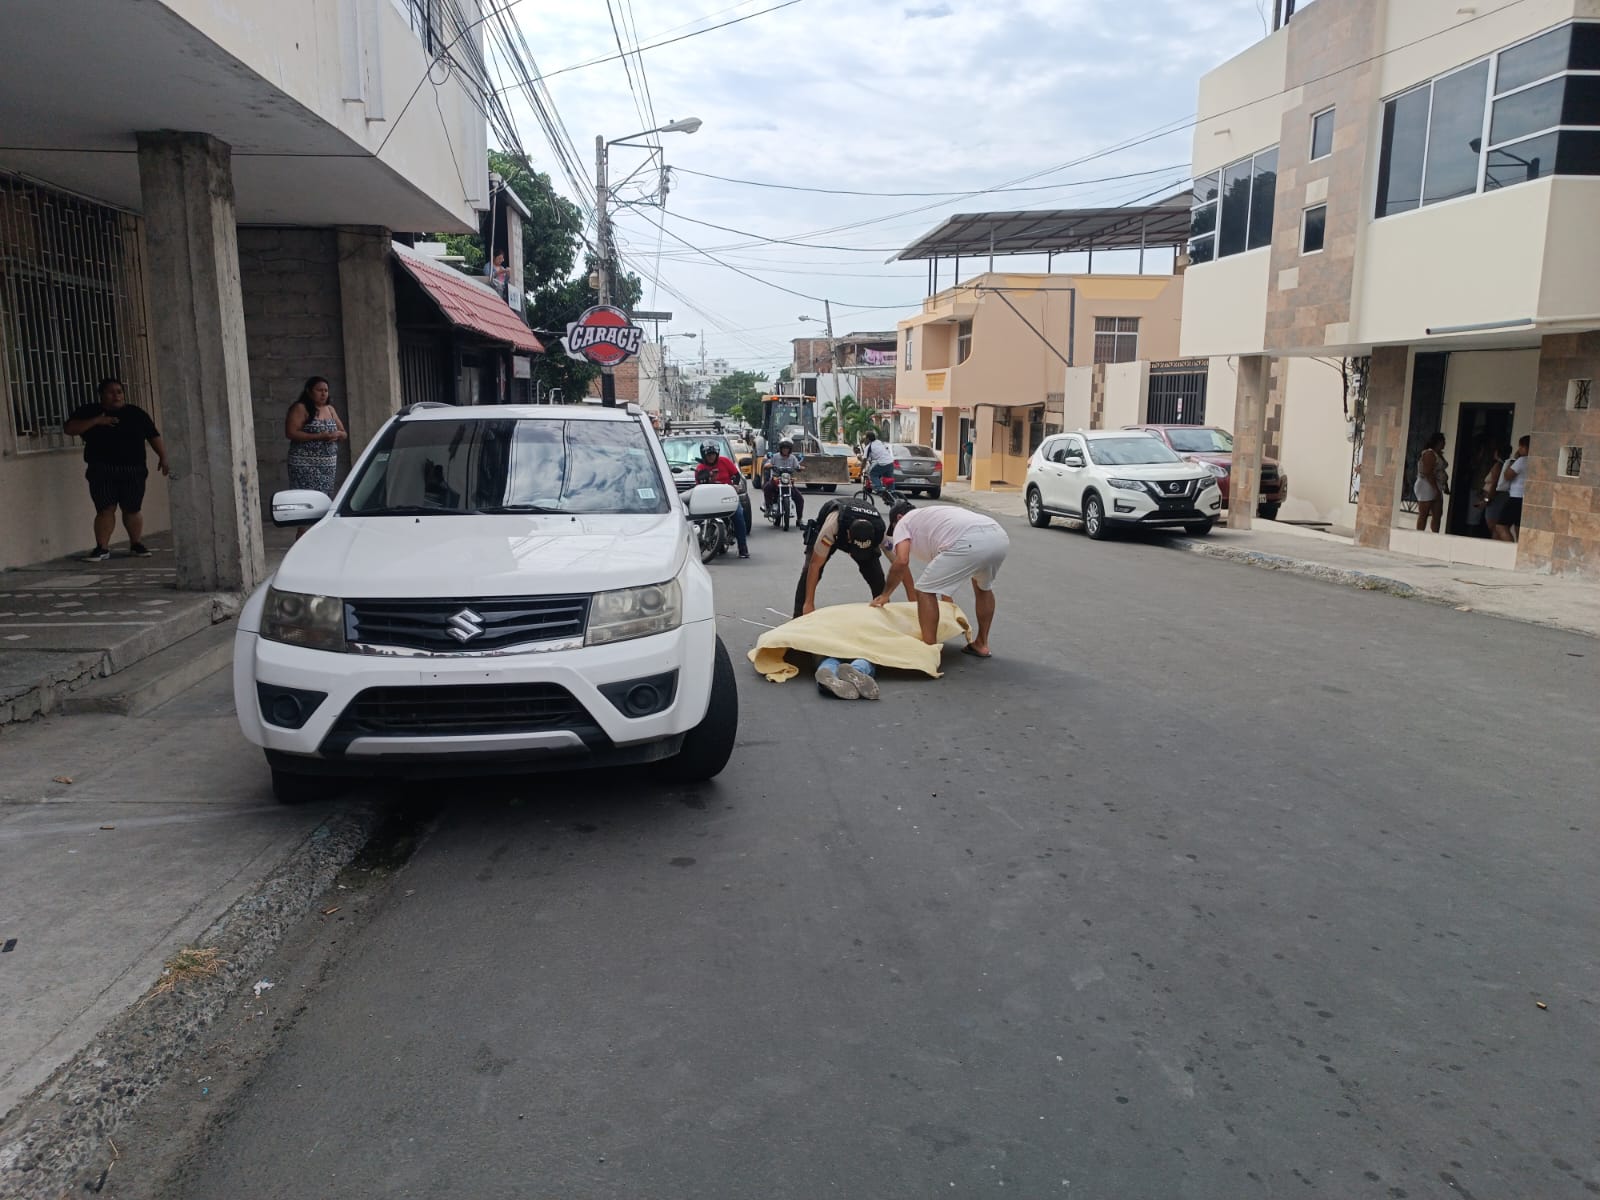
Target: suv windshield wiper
537 509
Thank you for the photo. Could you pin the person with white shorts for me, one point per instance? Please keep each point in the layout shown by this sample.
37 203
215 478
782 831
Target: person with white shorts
950 545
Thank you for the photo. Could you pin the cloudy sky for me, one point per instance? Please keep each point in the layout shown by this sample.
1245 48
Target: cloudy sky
939 96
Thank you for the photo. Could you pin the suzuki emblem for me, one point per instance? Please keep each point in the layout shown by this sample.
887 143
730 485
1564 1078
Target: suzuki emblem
465 625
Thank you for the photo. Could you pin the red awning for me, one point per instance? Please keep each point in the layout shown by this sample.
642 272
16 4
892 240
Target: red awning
466 303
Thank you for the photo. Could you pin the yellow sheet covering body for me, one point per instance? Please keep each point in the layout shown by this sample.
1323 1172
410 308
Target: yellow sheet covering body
886 637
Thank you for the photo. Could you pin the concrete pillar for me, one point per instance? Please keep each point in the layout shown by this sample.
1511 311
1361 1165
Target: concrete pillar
197 323
951 451
924 433
984 461
1249 432
371 341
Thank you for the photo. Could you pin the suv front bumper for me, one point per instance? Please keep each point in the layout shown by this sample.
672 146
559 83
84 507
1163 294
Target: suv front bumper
1140 508
380 713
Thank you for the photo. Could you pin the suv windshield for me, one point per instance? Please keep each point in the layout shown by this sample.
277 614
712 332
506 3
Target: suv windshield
685 451
439 467
1133 451
1200 440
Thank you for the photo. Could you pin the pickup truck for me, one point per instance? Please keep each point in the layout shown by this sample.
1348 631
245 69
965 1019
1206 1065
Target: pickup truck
1214 447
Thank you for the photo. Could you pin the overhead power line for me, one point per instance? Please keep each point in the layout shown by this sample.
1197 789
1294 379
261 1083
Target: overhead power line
1037 187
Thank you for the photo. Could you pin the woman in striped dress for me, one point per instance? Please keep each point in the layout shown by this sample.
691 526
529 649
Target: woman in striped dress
314 431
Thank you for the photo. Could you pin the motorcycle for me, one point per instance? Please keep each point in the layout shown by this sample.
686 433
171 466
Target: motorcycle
781 512
713 534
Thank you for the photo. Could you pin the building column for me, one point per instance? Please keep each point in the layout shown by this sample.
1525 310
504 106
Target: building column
1383 446
924 426
1560 530
1249 432
984 428
371 341
197 323
950 453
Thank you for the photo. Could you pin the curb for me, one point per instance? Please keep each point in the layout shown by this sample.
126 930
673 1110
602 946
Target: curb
1364 580
54 1137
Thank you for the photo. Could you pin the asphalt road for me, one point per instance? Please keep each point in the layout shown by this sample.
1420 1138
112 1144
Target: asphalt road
1215 882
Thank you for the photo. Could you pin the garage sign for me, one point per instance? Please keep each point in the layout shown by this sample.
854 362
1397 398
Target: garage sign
604 336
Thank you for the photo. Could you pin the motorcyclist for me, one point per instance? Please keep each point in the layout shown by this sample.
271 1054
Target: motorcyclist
853 526
784 460
716 467
877 460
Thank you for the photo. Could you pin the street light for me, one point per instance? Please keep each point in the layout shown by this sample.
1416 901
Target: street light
833 348
608 382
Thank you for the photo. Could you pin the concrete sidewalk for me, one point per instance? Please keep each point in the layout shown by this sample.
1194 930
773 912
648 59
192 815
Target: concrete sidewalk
1569 604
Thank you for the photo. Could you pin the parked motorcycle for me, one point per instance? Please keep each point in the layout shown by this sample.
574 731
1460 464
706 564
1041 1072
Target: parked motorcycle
781 511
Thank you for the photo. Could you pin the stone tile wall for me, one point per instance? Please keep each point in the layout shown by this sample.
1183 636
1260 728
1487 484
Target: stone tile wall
1561 515
1384 445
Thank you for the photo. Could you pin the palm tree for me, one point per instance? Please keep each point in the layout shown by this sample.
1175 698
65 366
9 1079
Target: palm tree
847 420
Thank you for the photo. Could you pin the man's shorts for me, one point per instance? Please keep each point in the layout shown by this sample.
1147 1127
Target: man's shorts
117 487
977 557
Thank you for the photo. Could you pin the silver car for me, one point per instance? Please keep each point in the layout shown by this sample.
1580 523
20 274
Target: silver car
917 469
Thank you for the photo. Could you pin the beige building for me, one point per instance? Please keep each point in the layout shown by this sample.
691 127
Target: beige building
1393 234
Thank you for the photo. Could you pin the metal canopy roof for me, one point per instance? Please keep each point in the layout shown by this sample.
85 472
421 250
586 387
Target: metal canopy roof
1057 231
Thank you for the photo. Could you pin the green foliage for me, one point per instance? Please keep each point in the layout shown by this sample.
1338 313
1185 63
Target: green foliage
848 420
786 375
741 389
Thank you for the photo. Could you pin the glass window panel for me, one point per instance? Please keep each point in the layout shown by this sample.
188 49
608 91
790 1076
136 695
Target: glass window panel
1234 226
1585 47
1579 152
1544 55
1581 105
1322 135
1405 137
1205 188
1527 112
1202 250
1203 220
1263 190
1454 134
1521 161
1315 230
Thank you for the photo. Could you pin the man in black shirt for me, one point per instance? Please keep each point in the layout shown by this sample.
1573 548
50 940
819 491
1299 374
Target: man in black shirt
114 433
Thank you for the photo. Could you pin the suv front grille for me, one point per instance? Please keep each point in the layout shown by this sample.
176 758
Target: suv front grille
460 710
465 626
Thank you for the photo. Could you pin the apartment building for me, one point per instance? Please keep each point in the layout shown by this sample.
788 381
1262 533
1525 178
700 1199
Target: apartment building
198 196
1393 234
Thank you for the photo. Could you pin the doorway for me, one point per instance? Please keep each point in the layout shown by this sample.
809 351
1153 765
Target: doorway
1481 429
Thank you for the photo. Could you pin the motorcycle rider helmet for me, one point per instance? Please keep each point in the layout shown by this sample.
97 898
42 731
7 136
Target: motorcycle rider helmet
785 446
710 452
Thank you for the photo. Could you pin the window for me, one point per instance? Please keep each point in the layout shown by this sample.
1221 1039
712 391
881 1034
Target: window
1313 229
1541 120
1322 135
1233 208
1116 339
963 341
70 312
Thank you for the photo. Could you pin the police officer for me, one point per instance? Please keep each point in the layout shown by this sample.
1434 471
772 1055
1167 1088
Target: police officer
852 526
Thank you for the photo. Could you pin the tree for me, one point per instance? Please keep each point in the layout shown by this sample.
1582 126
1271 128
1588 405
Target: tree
848 420
786 375
735 390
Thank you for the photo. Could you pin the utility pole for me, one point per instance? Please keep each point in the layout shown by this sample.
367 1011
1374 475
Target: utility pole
608 381
833 353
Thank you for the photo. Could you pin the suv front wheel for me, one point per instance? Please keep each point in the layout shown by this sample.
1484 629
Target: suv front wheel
1094 518
1037 517
708 746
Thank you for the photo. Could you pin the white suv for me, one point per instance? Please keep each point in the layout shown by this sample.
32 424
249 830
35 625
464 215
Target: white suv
1109 477
494 589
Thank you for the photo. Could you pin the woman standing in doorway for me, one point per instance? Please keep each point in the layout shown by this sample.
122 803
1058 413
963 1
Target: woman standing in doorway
314 431
1430 486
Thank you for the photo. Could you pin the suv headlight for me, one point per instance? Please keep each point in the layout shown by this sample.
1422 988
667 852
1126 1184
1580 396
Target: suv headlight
1217 470
298 619
1127 485
634 613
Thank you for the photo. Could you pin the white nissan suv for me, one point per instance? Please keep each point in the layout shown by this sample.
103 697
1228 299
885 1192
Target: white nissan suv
494 589
1111 477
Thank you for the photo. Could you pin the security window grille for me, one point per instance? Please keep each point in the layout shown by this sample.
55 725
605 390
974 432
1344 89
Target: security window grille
1116 339
1571 462
71 311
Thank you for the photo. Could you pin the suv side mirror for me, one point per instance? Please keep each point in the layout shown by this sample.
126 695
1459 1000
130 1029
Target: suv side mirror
297 508
1073 460
712 500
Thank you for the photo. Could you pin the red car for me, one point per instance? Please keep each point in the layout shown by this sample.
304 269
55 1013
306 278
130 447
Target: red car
1214 447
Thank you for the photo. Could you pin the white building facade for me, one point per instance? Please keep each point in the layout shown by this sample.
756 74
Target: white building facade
1393 236
197 196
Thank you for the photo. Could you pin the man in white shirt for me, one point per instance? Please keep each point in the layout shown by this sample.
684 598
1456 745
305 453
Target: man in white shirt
951 545
1516 474
878 459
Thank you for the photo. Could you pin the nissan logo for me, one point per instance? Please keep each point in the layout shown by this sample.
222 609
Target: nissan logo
465 625
1175 487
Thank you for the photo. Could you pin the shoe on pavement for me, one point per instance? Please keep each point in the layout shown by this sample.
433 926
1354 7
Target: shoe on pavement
138 550
98 554
744 554
829 681
866 686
